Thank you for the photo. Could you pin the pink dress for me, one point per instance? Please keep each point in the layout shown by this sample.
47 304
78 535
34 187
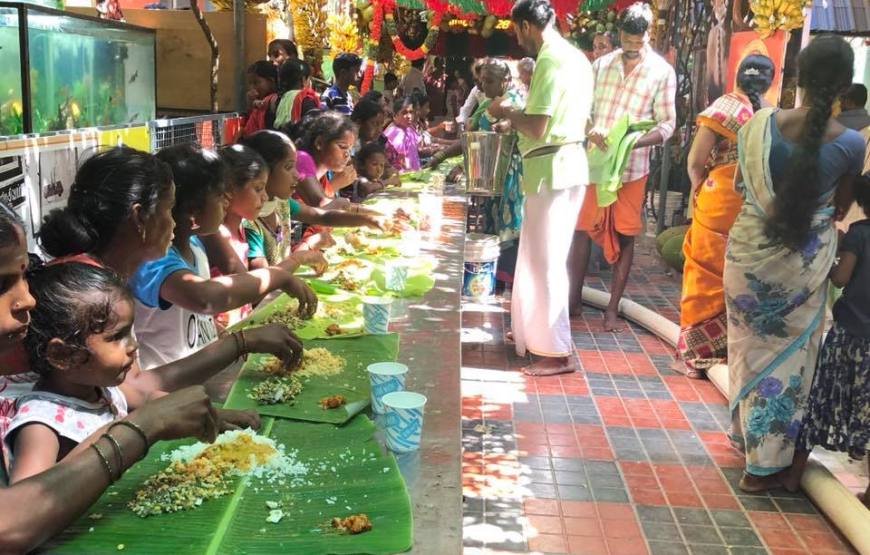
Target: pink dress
401 148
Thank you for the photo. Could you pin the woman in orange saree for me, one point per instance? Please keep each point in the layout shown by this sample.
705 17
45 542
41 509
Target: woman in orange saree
712 163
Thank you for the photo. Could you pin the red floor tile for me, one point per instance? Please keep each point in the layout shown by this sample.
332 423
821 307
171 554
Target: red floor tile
779 538
566 452
631 468
578 545
587 527
540 506
549 543
620 529
628 546
684 499
810 524
616 511
562 439
823 542
545 525
648 497
579 509
597 453
712 486
721 502
641 482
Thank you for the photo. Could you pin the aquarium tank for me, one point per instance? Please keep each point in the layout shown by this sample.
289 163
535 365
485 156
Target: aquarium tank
74 71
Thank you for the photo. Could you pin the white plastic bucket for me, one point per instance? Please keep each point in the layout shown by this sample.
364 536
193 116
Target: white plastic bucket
481 261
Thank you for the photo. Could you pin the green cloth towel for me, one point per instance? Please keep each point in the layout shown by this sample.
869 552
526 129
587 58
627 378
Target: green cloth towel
606 167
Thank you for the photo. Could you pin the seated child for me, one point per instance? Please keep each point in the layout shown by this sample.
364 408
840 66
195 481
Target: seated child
227 250
81 344
175 296
268 237
297 98
402 138
371 166
262 96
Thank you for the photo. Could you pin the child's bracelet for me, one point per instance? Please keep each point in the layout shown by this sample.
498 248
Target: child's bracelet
241 343
135 428
106 462
117 447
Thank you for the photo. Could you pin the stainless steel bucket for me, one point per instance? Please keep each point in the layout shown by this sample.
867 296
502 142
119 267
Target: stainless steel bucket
487 157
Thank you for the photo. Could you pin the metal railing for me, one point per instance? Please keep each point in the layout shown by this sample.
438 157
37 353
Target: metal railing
206 131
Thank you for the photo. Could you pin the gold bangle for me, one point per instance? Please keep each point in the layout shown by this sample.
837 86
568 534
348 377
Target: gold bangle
117 447
133 426
106 462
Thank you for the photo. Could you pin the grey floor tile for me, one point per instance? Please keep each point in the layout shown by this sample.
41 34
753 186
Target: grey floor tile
667 548
538 476
652 434
652 513
537 463
542 490
758 504
503 507
610 495
602 467
633 455
664 456
698 517
472 505
605 481
708 550
632 394
661 395
625 443
620 431
800 506
558 418
575 493
730 518
571 478
570 465
701 534
740 537
660 531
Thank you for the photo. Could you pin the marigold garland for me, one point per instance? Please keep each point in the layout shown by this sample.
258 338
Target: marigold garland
421 51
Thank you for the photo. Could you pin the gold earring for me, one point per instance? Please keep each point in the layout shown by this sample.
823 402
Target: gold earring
143 234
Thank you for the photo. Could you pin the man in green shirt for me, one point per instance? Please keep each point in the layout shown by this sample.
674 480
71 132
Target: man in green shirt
552 130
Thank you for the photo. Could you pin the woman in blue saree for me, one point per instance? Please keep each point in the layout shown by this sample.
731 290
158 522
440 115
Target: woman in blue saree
796 168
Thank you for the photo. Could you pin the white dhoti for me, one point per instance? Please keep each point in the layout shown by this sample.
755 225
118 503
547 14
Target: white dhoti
539 304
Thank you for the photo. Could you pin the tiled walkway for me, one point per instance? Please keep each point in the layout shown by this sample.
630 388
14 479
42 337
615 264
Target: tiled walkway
625 458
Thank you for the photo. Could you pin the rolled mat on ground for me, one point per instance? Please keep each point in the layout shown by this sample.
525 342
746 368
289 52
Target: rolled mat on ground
352 382
347 474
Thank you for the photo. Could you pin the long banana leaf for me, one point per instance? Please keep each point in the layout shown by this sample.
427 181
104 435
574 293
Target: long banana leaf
350 319
346 469
352 383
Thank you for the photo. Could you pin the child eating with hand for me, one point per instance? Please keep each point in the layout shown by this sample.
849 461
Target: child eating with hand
81 344
175 295
371 166
268 236
262 96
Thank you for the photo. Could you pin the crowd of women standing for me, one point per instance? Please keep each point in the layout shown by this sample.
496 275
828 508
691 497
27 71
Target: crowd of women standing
768 186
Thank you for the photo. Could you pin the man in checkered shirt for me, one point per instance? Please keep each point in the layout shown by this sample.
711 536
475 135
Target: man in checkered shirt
632 80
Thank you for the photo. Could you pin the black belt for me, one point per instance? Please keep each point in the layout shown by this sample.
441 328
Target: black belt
550 149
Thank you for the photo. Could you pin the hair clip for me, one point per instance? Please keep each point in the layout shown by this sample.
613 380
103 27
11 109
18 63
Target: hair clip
751 71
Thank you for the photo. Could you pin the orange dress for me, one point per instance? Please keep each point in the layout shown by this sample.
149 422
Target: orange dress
703 338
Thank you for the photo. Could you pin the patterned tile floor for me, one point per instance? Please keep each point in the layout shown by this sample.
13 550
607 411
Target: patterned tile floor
624 458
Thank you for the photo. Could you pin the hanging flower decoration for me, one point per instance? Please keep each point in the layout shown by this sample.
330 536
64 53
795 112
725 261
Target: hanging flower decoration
373 44
428 44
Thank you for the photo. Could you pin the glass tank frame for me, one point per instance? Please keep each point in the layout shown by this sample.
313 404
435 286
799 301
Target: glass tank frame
19 102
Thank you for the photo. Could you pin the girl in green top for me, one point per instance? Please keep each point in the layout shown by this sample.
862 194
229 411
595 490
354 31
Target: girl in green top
269 235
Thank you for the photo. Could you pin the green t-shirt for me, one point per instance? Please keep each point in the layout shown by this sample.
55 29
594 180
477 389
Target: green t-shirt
262 243
562 89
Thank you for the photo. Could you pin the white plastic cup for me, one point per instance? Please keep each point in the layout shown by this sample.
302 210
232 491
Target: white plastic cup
376 314
385 378
404 420
395 275
411 240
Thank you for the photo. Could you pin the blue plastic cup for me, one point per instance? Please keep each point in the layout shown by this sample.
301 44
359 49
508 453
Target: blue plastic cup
376 314
385 378
395 275
404 420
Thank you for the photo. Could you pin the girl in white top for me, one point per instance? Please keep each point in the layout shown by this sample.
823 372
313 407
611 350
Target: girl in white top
81 344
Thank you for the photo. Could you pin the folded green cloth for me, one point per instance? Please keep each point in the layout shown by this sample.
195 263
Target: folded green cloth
606 167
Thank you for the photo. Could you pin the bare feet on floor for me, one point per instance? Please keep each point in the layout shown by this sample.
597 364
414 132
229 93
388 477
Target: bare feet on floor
509 336
575 310
612 322
551 366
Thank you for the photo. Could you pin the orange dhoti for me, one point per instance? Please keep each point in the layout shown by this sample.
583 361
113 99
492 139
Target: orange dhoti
703 338
623 217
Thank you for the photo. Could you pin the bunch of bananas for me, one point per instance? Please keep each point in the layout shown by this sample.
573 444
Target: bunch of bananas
343 33
770 16
309 23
